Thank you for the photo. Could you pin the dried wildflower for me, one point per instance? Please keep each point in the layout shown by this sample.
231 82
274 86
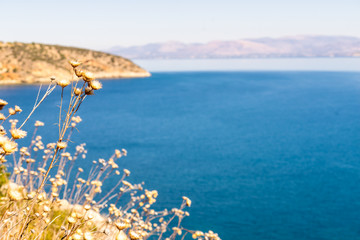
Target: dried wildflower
63 82
71 220
88 236
39 124
121 236
187 200
126 183
31 195
15 193
12 111
46 209
78 72
114 165
177 230
76 119
127 172
9 147
87 207
76 236
18 133
121 225
134 235
61 145
211 235
77 91
2 131
3 103
197 234
89 91
74 63
95 84
124 151
88 76
2 116
117 153
3 140
90 216
17 109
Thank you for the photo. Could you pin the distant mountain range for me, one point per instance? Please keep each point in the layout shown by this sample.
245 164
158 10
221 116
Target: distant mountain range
297 46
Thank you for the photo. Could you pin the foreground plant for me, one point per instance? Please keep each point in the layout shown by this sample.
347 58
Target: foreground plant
46 198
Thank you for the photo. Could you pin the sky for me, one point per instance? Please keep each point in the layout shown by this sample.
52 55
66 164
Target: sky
103 24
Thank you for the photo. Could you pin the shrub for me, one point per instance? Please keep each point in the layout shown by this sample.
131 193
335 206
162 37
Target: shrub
45 198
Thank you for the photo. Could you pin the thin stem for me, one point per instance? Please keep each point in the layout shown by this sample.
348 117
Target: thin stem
62 96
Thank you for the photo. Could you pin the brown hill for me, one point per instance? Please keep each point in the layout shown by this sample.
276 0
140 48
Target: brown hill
34 63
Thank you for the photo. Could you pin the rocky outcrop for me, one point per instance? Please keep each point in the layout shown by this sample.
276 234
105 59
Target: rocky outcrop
22 63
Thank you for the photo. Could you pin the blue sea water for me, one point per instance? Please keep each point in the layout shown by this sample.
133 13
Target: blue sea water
262 155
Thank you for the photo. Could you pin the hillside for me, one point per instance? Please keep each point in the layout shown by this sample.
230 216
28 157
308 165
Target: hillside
34 62
299 46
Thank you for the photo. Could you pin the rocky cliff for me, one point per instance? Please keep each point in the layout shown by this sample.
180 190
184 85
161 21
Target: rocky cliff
22 63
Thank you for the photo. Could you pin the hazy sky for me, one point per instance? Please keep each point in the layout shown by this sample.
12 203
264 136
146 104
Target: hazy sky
106 23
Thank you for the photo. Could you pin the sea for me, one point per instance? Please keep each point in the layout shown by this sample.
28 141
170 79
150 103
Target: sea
264 152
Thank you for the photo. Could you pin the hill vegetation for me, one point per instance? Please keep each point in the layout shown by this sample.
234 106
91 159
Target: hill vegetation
34 62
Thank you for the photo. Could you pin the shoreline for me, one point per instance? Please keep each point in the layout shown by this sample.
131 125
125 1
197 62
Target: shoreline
101 76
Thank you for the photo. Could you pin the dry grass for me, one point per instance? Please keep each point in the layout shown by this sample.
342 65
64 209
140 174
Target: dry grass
44 197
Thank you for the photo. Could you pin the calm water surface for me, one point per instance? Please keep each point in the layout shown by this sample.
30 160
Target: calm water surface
262 155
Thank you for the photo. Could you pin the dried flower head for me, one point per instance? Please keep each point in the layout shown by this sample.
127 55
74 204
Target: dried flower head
89 91
46 209
117 153
63 82
95 84
74 63
9 147
124 152
88 236
3 140
61 145
15 193
39 124
76 119
2 116
187 200
88 76
17 109
17 133
71 220
134 235
177 230
77 91
12 111
121 225
78 72
121 236
2 131
3 103
127 172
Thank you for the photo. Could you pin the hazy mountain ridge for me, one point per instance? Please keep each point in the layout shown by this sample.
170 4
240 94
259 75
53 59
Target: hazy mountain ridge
34 62
299 46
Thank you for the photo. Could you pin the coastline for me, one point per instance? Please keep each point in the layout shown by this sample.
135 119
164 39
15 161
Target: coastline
101 76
